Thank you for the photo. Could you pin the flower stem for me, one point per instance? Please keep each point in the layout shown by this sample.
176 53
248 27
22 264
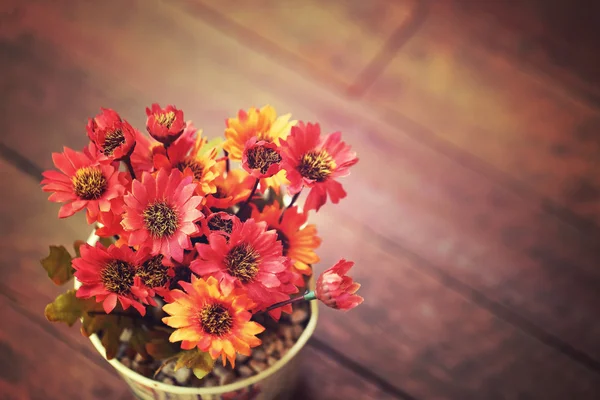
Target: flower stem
289 205
249 199
127 161
308 296
226 161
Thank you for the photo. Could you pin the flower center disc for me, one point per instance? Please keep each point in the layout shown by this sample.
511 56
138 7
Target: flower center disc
261 158
217 223
165 119
153 273
117 276
216 320
160 219
89 183
242 262
194 166
316 165
112 140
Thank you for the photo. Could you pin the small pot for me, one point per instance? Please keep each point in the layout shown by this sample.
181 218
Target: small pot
275 382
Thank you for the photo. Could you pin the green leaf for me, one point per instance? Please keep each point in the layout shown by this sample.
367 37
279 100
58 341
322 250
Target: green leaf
159 347
58 265
67 308
200 362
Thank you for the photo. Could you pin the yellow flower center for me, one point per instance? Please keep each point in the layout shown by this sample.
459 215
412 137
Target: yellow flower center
165 119
112 140
316 165
89 183
217 223
242 262
261 158
117 276
160 219
285 242
153 273
216 319
194 166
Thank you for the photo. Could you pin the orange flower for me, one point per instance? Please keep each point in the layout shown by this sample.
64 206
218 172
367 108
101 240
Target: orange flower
205 318
262 124
231 188
298 242
337 290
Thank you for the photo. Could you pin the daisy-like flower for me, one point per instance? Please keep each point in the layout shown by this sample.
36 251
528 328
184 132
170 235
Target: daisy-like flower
114 137
337 290
219 222
109 275
83 182
298 241
316 162
251 258
211 320
155 276
160 213
197 162
230 189
261 159
165 124
262 124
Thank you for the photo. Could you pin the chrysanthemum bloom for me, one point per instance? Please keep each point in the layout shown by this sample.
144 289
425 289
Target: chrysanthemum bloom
114 137
251 258
109 275
230 189
197 161
298 241
82 182
335 289
155 276
160 213
164 124
261 159
219 222
316 162
206 318
262 124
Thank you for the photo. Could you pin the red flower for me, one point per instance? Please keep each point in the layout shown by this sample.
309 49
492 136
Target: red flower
219 222
83 182
160 213
114 137
156 277
315 162
164 125
251 258
335 289
109 275
260 158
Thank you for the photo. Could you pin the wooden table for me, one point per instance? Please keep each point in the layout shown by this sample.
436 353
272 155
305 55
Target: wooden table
473 215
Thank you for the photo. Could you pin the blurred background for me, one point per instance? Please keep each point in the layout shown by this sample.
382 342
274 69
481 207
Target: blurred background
473 215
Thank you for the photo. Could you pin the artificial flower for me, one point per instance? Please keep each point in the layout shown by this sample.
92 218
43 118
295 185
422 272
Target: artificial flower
262 124
250 258
316 162
155 276
261 159
337 290
164 124
160 213
211 320
83 182
219 222
298 241
109 275
113 136
230 189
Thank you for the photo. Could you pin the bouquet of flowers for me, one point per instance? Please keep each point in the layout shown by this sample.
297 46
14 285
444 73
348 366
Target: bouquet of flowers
192 251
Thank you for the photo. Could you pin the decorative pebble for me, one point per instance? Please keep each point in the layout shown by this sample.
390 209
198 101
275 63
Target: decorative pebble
126 362
182 375
297 331
258 366
245 371
241 358
168 380
227 378
169 368
259 355
299 315
271 361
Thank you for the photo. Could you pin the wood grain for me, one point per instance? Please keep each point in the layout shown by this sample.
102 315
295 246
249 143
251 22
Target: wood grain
451 79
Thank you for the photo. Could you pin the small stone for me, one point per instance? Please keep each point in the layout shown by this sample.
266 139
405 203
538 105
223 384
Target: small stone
168 380
270 348
297 331
288 344
259 355
271 361
227 378
139 359
210 382
220 371
182 375
126 362
299 316
241 358
245 371
258 366
279 346
169 369
287 331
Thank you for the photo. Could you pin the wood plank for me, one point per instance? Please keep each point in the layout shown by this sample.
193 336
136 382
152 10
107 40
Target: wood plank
451 78
314 35
37 365
416 189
